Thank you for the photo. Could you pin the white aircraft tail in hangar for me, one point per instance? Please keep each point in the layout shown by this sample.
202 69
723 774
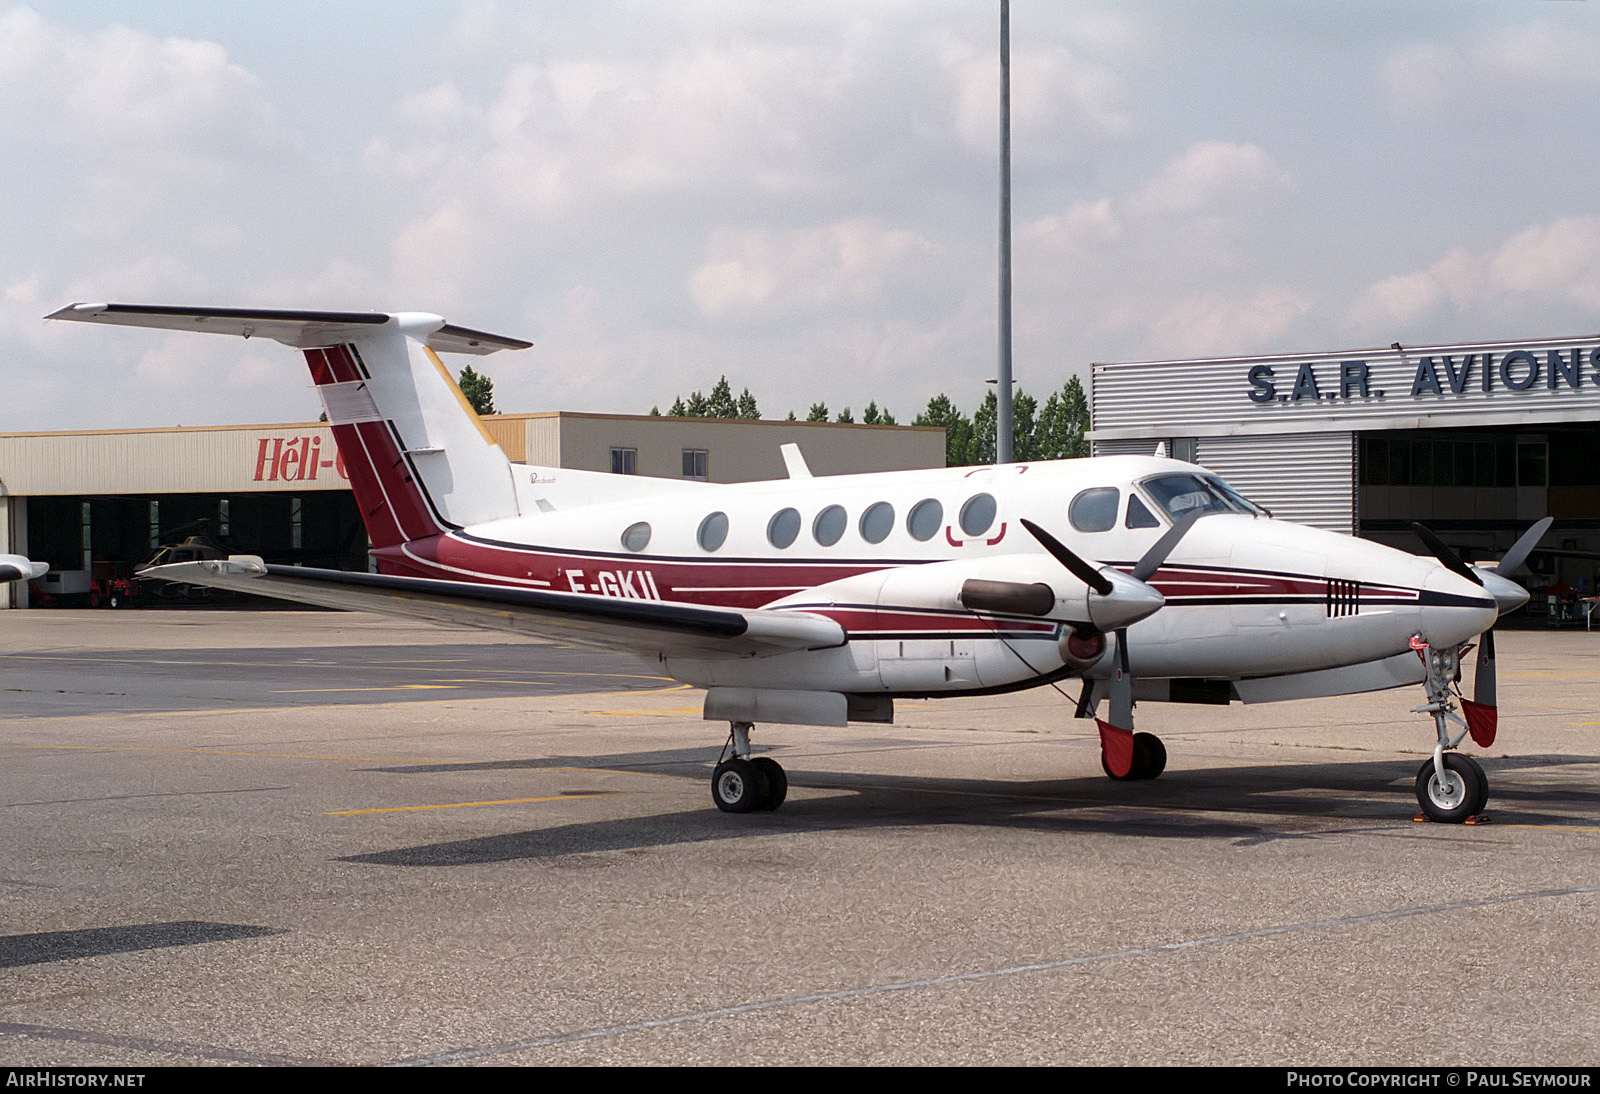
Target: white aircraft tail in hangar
821 600
18 568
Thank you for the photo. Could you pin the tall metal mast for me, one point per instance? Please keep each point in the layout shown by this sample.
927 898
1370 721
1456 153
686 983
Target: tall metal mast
1002 418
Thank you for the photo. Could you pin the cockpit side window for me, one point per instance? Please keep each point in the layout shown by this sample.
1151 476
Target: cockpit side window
1095 509
1139 514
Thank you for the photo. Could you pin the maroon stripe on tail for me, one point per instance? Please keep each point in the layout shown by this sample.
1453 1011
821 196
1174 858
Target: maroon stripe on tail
391 501
382 527
398 482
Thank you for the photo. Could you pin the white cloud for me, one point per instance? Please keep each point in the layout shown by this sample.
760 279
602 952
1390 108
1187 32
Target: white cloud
122 88
1057 96
758 270
1213 323
1494 67
1547 267
1212 175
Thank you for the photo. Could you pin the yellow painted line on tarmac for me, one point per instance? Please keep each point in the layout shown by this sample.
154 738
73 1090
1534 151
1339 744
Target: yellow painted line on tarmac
471 805
392 687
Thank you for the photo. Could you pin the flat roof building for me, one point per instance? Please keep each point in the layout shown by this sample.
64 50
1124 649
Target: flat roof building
109 498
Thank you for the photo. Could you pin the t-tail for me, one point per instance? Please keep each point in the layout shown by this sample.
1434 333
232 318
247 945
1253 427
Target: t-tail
419 460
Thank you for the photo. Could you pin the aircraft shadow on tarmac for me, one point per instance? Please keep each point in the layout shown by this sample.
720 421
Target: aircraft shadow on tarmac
1179 805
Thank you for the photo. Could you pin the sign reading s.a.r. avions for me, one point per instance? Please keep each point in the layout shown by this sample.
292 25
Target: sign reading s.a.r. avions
1433 376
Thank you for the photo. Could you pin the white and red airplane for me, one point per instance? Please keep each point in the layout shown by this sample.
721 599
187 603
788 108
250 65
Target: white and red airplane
820 601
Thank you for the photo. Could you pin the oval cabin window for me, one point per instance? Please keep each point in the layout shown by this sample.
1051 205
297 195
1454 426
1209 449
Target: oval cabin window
924 520
877 522
977 514
713 530
829 526
784 528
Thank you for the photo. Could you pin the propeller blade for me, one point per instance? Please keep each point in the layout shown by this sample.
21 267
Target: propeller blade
1079 569
1520 550
1451 560
1161 548
1120 713
1483 689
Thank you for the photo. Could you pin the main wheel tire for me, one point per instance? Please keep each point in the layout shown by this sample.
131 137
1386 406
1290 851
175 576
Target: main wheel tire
738 786
1483 785
1149 756
1459 795
777 782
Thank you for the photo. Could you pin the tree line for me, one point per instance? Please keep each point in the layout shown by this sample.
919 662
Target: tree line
1055 431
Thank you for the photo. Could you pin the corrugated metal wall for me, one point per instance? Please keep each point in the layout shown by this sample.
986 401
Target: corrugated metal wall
1308 478
1212 397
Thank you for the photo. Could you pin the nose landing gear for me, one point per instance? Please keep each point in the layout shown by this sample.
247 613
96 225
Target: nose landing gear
1451 787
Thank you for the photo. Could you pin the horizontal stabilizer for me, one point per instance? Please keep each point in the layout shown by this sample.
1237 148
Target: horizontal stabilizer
301 329
645 627
17 568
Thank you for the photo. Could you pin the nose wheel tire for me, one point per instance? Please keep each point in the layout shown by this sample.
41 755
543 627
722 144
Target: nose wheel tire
749 786
1462 793
1149 759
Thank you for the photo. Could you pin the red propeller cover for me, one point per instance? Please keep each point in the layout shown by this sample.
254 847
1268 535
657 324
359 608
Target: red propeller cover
1117 747
1481 721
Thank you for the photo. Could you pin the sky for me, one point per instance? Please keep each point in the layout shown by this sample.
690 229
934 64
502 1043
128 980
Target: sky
803 198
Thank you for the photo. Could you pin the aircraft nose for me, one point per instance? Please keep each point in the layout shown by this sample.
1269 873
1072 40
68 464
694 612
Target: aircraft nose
1455 610
1507 593
1129 601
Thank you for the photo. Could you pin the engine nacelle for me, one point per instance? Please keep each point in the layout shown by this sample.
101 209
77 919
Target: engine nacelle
1082 649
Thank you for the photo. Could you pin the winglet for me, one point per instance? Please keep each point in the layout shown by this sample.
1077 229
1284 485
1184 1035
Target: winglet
794 462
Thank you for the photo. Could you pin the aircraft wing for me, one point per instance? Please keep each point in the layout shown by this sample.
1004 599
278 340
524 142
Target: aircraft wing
644 627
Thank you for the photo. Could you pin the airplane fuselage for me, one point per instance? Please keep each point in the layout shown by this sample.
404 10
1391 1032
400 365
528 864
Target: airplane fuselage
886 555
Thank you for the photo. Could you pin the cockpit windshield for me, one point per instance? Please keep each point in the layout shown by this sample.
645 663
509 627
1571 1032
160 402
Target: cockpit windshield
1183 494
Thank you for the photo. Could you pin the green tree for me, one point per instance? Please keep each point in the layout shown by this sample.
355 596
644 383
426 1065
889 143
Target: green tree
1024 441
873 416
845 416
1063 423
817 413
957 428
721 403
980 446
678 410
791 417
746 406
699 406
478 389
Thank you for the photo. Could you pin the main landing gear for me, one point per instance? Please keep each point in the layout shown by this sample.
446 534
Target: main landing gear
745 784
1451 787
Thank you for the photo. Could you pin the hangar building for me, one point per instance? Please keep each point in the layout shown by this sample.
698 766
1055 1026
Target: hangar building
97 504
1476 440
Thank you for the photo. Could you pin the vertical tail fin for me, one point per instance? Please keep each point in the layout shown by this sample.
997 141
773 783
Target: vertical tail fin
419 460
